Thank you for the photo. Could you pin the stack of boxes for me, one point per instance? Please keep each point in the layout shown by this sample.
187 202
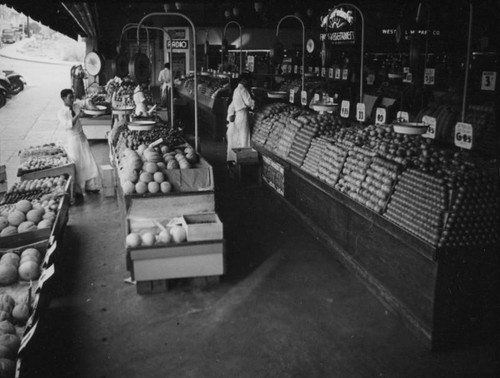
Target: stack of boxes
108 180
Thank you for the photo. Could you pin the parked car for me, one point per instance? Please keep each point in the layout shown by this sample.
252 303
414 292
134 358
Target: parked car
10 80
9 36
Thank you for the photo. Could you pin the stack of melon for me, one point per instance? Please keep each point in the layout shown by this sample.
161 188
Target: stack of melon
25 216
25 267
11 312
165 235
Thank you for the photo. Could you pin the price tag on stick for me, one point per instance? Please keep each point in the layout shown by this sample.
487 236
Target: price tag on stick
488 81
360 112
330 73
292 96
337 73
380 116
431 130
344 108
403 116
303 98
429 76
463 135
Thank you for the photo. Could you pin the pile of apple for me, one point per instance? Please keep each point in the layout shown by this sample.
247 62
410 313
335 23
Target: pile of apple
47 187
39 163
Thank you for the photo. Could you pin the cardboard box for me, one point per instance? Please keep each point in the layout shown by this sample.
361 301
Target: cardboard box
108 191
107 175
198 178
202 226
246 155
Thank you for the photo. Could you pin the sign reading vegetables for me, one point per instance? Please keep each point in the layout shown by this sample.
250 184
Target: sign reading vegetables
338 26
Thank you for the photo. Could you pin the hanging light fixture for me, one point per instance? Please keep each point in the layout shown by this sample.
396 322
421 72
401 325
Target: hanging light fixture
168 7
236 11
297 14
258 6
179 5
309 12
227 13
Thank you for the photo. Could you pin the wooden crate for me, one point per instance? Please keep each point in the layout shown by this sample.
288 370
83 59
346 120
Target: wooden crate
68 169
202 226
246 155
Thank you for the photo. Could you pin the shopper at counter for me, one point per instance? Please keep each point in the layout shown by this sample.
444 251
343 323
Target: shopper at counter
241 104
88 177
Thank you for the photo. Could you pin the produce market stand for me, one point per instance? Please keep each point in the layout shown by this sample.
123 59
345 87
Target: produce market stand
96 128
441 294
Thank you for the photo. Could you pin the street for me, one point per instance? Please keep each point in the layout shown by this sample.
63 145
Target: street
30 118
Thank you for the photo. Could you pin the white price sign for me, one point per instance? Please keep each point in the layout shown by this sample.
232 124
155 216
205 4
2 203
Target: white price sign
323 72
292 96
402 116
380 116
251 63
330 73
406 69
310 69
345 74
429 76
370 79
316 97
303 98
295 69
360 112
488 81
316 70
408 78
431 130
337 73
344 108
463 135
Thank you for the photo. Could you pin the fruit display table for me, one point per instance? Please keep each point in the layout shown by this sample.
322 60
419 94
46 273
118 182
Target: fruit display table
96 127
421 229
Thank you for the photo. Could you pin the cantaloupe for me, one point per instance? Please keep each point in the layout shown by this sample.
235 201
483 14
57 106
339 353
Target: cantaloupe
49 215
164 149
129 175
153 187
30 258
128 187
9 230
4 315
7 367
12 342
10 258
172 164
150 167
35 215
29 270
3 222
7 327
133 240
148 239
146 177
159 177
141 148
164 237
16 217
161 165
178 233
26 227
141 187
45 223
21 313
7 299
8 274
31 252
165 187
24 206
4 352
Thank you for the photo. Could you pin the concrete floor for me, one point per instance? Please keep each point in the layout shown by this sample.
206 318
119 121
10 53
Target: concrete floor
285 308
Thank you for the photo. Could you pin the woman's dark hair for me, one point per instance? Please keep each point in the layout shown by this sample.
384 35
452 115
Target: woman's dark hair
66 92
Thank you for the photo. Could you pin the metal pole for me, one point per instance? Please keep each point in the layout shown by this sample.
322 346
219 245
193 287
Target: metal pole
467 63
241 42
303 43
362 47
195 75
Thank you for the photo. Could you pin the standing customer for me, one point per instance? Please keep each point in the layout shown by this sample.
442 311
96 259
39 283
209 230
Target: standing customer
165 79
88 177
242 103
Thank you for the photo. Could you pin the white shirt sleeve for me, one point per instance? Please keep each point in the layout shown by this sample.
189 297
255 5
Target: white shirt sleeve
242 99
64 117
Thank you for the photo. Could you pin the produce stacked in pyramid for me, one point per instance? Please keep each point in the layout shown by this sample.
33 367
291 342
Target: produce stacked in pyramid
331 165
315 155
302 140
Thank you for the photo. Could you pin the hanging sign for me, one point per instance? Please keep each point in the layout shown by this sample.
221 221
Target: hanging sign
488 81
429 76
316 97
402 116
337 73
360 112
339 26
380 116
323 72
345 74
330 73
295 69
177 44
431 130
292 96
310 69
303 98
463 135
251 63
344 108
370 79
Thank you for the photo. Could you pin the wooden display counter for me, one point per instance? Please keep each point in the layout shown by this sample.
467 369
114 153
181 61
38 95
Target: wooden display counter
68 169
96 127
445 296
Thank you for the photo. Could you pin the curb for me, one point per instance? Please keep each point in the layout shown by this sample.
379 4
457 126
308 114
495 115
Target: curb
37 60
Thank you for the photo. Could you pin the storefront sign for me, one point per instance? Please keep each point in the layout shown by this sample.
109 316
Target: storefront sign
463 135
407 33
431 130
380 116
339 26
178 44
429 76
488 81
360 112
402 116
344 109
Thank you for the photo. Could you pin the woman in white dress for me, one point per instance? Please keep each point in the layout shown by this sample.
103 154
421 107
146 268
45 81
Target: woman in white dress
87 171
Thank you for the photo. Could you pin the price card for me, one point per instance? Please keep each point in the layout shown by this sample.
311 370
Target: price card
408 78
292 96
295 69
406 69
370 79
156 143
27 337
402 116
345 74
429 76
323 72
380 116
330 73
431 130
337 73
488 81
49 253
303 98
360 112
344 108
316 97
316 70
463 135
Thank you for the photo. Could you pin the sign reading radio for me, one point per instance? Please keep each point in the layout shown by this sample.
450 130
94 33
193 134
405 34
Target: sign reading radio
338 26
181 44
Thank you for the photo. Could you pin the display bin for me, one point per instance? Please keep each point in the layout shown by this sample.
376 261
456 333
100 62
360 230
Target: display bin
96 127
202 226
444 296
246 155
68 169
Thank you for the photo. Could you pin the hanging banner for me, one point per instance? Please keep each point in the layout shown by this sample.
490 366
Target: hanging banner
339 26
